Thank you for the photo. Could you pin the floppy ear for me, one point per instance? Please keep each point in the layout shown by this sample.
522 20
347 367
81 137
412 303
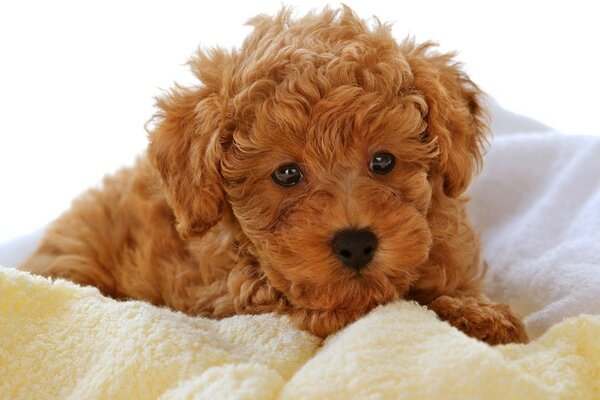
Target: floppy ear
186 147
455 117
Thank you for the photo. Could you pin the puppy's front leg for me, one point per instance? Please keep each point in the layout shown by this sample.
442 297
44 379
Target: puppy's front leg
479 318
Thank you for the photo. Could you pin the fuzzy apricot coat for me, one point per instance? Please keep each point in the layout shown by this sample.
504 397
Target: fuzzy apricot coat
199 225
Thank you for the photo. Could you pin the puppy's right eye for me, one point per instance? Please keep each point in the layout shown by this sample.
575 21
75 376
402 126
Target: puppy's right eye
287 175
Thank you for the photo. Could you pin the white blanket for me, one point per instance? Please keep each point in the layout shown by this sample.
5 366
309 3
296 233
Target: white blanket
537 205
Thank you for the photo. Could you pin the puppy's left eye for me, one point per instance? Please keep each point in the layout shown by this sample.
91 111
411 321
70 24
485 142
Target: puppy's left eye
382 163
287 175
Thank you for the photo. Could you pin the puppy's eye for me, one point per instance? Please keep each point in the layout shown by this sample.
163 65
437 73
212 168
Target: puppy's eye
287 175
382 163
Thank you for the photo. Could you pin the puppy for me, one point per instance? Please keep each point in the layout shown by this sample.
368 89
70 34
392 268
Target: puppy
317 171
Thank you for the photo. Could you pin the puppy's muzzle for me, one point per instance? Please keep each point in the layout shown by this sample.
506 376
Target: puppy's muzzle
354 247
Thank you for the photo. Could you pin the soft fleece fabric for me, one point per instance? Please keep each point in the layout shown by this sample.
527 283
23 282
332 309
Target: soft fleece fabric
537 206
59 340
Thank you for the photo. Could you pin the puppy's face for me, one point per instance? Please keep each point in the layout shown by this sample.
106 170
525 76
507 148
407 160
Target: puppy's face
334 197
325 139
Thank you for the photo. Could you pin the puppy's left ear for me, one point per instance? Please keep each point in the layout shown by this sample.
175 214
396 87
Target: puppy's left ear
455 116
186 147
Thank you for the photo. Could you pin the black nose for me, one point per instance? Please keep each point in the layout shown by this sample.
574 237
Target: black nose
354 247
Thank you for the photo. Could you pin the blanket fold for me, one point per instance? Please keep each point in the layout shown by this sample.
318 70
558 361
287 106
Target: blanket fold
59 340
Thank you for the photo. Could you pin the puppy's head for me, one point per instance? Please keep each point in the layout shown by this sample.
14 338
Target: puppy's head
328 141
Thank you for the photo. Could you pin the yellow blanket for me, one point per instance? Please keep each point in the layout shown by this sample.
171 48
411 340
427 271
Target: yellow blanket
58 340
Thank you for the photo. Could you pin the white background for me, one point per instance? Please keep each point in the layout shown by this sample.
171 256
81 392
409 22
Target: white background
77 79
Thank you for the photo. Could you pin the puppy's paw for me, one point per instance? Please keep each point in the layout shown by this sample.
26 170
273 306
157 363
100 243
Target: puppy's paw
489 322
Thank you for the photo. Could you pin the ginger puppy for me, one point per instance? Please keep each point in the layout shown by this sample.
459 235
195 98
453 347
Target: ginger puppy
317 171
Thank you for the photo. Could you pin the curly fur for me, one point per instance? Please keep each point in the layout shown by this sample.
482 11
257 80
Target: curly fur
198 225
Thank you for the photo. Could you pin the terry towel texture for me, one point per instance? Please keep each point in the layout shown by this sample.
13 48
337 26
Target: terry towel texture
58 340
537 206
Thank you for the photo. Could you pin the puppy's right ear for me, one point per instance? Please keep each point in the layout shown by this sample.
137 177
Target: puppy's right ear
186 147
